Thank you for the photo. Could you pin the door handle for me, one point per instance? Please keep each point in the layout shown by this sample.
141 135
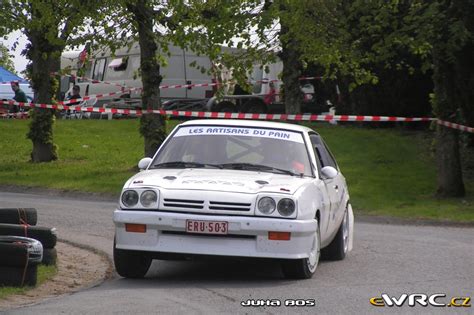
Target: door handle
336 187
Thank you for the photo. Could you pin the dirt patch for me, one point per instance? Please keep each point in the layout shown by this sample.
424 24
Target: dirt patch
77 269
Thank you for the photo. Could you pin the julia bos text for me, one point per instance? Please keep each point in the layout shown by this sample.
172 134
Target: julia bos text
277 303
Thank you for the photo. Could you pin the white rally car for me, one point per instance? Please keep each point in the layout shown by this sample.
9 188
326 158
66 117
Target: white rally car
235 188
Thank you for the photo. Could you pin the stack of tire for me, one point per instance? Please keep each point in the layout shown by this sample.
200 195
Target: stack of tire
23 246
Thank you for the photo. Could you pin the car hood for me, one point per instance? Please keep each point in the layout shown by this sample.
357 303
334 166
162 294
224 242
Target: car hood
218 180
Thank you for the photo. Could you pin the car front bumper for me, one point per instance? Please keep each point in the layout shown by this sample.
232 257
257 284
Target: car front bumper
247 236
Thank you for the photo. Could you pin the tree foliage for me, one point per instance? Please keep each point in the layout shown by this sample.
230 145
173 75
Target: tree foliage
49 26
203 27
352 39
6 59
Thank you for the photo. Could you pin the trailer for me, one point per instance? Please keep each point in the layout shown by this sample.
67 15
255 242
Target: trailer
111 72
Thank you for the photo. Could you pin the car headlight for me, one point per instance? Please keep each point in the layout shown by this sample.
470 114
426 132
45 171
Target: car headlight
129 198
148 198
266 205
286 207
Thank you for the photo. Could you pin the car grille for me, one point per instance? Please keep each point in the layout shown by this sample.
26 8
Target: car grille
230 206
210 203
183 203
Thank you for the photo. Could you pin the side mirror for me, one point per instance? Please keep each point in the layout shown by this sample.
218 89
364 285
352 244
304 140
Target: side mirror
329 172
143 164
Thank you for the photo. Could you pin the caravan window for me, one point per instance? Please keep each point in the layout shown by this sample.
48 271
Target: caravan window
99 68
119 64
116 69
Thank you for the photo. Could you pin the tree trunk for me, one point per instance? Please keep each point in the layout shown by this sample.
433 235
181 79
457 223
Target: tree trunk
292 70
45 59
450 183
465 87
152 126
446 105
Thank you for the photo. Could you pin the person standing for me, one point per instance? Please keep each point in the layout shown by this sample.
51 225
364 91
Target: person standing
20 96
270 97
76 89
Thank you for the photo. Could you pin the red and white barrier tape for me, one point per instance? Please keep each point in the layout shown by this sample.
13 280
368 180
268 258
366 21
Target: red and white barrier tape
21 115
96 96
455 126
180 86
93 81
291 117
169 86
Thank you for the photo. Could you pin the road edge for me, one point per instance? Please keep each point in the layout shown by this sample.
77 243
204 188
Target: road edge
109 197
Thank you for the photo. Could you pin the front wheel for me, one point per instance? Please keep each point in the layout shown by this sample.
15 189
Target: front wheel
339 247
306 267
131 264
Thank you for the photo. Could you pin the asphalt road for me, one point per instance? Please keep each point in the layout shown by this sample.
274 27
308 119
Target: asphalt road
392 259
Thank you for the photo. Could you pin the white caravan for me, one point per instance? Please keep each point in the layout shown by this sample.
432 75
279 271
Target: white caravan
122 69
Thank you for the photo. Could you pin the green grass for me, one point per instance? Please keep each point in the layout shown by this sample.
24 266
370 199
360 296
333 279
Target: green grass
44 273
389 172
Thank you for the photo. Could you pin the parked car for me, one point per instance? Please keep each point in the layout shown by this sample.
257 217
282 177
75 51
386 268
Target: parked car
235 188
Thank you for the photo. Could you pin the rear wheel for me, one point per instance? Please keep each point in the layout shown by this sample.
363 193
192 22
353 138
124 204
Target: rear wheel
306 267
255 107
225 107
131 264
339 246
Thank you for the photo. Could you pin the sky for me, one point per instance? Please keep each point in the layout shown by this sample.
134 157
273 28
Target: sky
19 61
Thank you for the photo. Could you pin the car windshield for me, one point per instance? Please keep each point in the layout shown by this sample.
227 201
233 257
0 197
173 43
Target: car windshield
241 148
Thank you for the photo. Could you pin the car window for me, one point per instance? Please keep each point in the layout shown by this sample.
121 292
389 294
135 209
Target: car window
223 145
322 153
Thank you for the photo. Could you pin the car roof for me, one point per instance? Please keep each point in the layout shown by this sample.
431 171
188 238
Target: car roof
248 123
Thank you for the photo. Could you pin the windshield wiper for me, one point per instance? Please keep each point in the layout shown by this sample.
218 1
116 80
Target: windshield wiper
182 164
258 167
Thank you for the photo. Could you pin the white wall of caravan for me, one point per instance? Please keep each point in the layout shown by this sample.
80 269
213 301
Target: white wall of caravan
195 75
177 71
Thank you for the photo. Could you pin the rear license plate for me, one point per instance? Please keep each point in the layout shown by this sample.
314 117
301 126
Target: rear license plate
207 227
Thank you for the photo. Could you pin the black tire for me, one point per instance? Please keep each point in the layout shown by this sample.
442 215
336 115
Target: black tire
131 264
13 255
50 257
47 236
255 107
338 248
13 276
18 251
224 107
18 216
306 267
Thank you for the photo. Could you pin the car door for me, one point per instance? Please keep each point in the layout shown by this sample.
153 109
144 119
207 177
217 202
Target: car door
334 186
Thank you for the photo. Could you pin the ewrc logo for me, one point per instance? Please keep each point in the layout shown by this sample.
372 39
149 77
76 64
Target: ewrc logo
420 299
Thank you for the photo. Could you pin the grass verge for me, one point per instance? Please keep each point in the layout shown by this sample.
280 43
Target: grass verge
44 273
389 172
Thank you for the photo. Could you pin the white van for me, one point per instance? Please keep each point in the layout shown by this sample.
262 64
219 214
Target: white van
122 69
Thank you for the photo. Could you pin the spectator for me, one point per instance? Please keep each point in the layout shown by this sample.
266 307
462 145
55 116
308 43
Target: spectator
20 96
75 94
271 96
76 89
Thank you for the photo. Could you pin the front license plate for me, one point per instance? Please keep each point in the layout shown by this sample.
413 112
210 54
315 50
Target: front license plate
206 227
